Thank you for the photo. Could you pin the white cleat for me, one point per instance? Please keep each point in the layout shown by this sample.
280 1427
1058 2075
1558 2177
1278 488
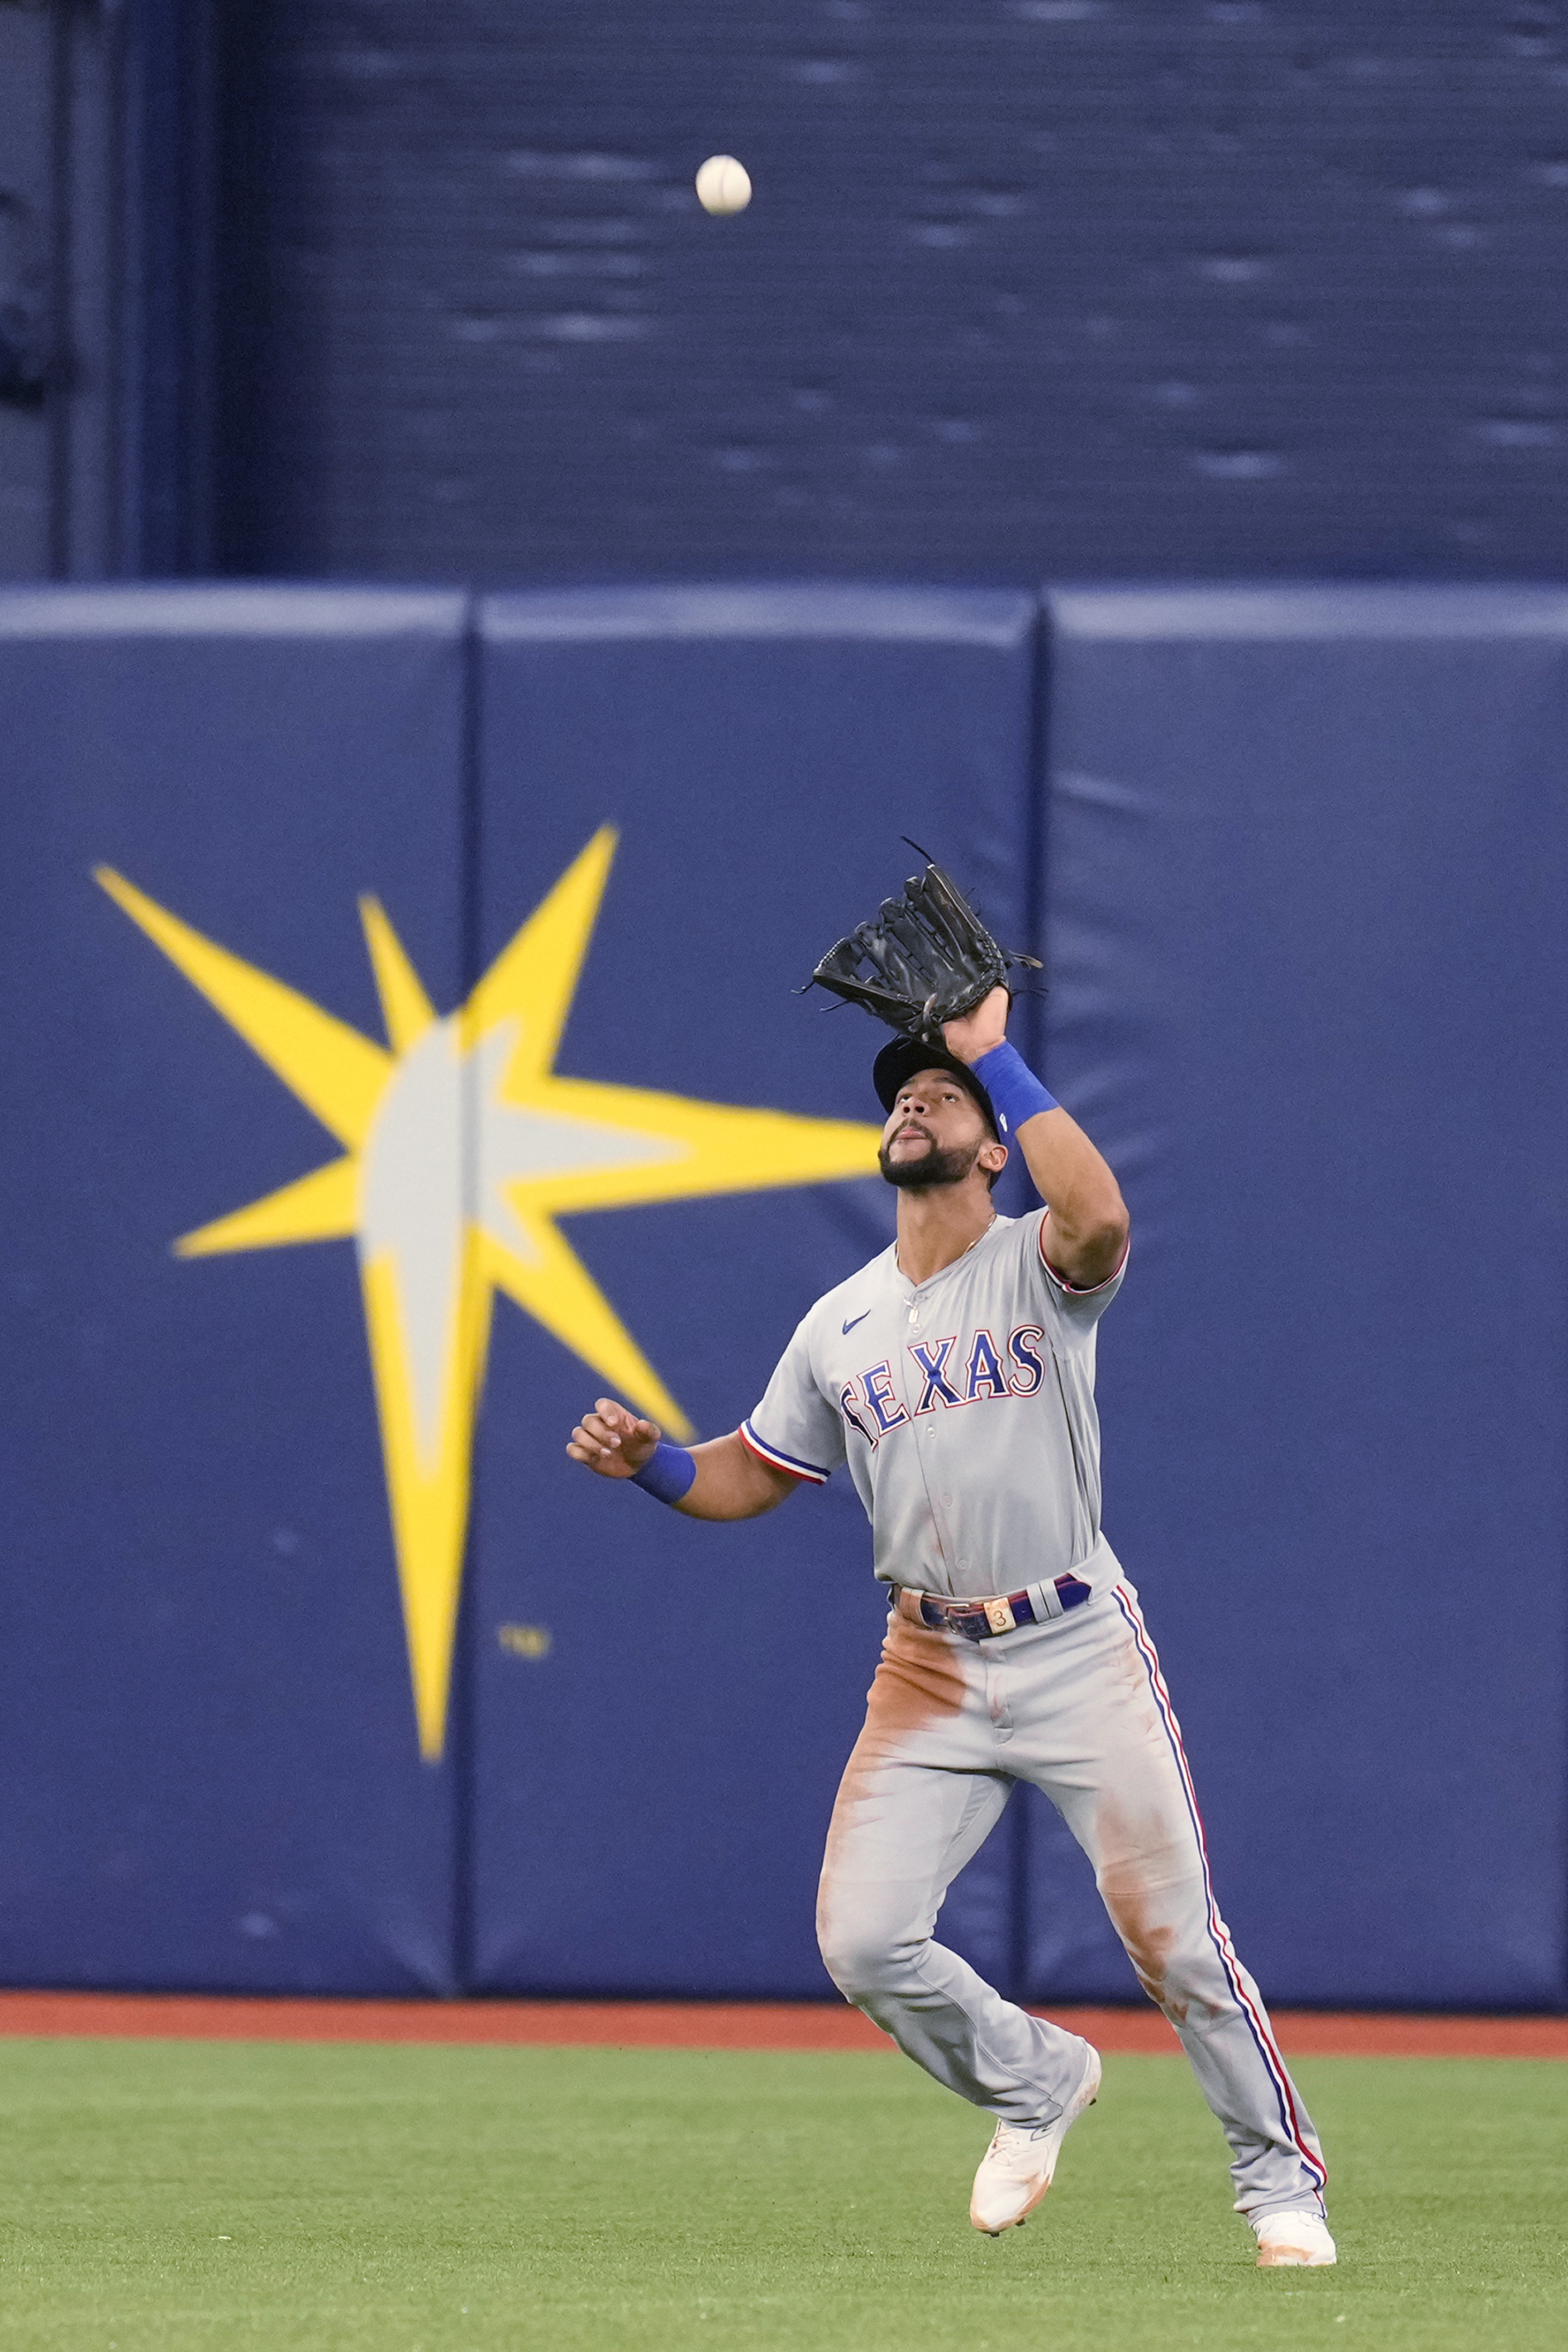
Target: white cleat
1296 2240
1016 2170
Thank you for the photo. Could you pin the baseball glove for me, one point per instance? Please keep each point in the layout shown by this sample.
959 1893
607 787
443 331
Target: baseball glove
927 959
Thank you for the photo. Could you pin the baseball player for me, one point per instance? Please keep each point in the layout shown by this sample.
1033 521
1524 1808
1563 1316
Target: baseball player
954 1377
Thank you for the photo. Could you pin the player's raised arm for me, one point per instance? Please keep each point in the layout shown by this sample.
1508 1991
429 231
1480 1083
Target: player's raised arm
1085 1235
718 1480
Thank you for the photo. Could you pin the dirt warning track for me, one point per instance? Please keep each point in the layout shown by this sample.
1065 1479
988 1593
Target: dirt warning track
714 2025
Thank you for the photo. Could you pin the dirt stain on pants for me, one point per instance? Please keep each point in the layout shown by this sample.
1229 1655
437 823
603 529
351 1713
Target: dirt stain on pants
919 1679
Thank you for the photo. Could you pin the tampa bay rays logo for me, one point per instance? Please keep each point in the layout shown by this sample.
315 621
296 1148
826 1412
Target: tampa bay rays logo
461 1147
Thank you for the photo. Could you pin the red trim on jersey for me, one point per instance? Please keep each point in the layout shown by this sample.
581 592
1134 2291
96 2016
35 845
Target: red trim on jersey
1061 1280
805 1471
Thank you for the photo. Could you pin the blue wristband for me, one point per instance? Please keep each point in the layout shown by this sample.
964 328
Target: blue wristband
667 1473
1013 1087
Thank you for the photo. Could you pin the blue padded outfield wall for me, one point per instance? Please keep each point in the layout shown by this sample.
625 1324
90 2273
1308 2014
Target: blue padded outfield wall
209 1772
797 735
326 1671
1308 865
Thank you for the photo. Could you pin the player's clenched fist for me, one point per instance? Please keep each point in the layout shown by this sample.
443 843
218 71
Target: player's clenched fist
612 1441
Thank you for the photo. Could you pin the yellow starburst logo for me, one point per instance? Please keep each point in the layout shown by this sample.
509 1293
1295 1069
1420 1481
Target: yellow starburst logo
462 1148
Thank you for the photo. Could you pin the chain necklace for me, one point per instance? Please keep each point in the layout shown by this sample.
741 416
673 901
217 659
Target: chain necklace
963 1254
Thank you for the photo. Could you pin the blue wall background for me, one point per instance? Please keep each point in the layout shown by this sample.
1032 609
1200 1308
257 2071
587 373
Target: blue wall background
1306 877
1296 859
1029 290
209 1775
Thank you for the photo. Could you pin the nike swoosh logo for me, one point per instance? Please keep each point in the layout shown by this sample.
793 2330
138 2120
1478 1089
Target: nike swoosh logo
857 1318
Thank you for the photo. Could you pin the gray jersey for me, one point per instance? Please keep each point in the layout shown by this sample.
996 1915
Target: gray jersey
964 1408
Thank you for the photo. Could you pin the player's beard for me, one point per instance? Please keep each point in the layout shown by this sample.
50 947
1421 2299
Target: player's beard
932 1167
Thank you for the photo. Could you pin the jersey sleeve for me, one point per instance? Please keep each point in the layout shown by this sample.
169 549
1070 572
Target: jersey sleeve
794 1428
1079 1308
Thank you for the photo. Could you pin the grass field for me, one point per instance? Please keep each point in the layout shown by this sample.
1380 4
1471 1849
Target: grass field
162 2195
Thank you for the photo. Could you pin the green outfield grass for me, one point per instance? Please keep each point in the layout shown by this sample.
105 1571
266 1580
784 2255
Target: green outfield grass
162 2196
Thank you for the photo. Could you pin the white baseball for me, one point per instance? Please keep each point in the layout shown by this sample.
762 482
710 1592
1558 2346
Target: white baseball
724 185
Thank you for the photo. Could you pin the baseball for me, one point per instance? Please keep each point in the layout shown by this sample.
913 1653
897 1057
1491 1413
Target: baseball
724 185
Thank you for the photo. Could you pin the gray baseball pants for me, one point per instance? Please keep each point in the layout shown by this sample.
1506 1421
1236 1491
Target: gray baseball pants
1080 1708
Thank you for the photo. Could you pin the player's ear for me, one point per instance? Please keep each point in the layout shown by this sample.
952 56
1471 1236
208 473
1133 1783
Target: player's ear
993 1158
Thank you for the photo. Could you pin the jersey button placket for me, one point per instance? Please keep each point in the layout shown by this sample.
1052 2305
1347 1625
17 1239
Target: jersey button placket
926 1431
931 1474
